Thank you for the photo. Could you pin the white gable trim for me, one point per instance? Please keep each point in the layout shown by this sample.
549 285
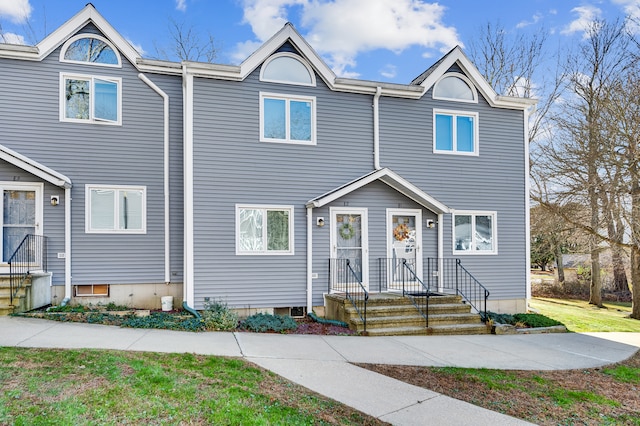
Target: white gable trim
288 33
458 56
270 46
388 177
34 167
68 30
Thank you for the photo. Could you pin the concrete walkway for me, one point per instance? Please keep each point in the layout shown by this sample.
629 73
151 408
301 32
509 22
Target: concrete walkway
322 363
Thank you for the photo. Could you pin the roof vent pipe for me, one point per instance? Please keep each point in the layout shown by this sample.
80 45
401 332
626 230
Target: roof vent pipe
376 128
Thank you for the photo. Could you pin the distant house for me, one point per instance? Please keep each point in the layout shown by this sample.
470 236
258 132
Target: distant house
205 181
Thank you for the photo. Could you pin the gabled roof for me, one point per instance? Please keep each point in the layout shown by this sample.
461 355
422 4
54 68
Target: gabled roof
34 167
456 56
289 34
88 14
388 177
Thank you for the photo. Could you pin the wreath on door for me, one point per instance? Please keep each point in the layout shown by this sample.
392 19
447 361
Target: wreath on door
346 231
401 232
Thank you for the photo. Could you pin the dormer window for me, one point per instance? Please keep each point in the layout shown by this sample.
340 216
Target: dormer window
91 50
287 68
455 87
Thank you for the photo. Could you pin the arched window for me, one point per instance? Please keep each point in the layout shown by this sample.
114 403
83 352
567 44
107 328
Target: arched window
289 69
90 49
455 87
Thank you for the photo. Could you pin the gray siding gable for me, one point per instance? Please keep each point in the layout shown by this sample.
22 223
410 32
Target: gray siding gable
130 154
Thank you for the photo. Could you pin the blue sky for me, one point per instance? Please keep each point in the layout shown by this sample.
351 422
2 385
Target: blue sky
381 40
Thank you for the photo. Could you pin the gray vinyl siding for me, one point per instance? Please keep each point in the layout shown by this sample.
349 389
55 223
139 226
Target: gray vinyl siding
376 197
492 181
130 154
232 166
53 216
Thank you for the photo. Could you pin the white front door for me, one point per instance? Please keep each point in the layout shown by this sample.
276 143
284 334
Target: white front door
349 240
21 214
404 240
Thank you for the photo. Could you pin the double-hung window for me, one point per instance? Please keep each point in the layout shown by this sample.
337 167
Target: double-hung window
264 229
90 99
474 233
455 132
290 119
111 209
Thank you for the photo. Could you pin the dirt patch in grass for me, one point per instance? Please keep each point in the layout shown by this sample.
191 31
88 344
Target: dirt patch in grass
587 397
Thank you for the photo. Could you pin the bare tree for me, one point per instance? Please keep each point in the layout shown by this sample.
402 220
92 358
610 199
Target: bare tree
623 119
552 236
584 162
516 64
187 44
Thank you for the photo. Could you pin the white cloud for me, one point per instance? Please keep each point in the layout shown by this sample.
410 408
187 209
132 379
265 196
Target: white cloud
586 16
632 10
136 46
389 71
534 20
630 7
342 29
244 49
181 5
16 10
11 38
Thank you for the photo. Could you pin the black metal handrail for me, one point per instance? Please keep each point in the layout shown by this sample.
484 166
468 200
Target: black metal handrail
343 278
419 298
31 255
451 276
392 276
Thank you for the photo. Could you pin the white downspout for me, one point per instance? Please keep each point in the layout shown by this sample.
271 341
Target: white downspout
188 291
67 245
440 225
376 128
309 259
167 205
527 207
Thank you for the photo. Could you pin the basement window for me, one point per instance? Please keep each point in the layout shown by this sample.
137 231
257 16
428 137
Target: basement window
91 290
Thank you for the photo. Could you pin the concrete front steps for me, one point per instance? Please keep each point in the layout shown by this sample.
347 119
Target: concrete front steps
393 315
19 301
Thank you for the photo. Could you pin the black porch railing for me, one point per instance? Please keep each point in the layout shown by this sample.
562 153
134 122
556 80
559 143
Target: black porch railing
394 276
451 277
31 255
440 275
343 278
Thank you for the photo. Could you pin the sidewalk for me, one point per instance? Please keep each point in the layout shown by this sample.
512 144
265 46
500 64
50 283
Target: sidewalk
322 363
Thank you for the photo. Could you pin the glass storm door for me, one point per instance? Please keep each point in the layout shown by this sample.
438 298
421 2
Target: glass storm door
20 212
404 236
349 241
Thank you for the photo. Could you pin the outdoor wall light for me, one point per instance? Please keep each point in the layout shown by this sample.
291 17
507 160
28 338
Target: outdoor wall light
55 200
431 223
320 222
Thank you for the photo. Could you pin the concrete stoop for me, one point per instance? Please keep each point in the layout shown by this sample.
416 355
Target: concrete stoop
19 300
394 315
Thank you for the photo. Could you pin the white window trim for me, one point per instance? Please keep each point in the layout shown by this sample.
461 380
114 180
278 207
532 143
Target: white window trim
91 119
473 214
476 132
462 77
38 188
293 56
87 213
265 252
87 35
288 98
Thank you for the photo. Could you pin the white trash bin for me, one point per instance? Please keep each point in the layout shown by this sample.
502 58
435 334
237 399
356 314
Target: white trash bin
167 303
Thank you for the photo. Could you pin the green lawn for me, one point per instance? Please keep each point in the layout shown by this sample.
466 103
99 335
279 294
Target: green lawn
579 316
92 387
